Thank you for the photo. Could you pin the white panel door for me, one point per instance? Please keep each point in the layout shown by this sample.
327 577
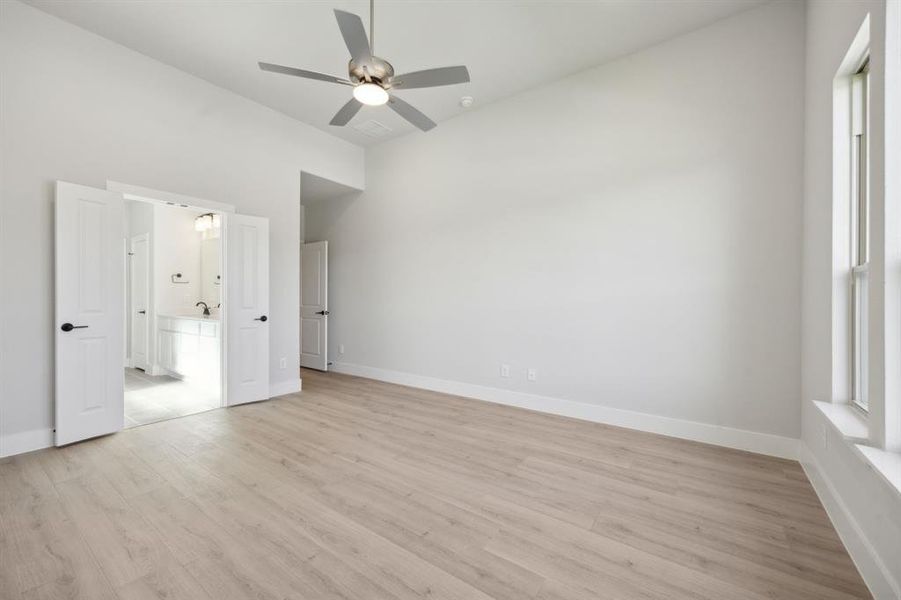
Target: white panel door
140 301
314 306
90 301
247 308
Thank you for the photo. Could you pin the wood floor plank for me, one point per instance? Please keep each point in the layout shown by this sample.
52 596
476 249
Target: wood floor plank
441 533
361 489
393 567
47 556
168 580
267 530
23 480
767 580
121 540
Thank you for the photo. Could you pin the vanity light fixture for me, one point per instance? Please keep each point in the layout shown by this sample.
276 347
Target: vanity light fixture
206 221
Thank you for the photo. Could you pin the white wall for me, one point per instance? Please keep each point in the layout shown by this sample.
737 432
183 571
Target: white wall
631 232
863 507
77 107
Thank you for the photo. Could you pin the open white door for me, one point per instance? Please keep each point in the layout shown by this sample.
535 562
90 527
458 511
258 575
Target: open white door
314 306
90 271
140 301
247 308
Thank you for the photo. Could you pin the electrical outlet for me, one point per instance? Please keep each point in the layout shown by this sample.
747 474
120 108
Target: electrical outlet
505 370
340 348
283 363
531 375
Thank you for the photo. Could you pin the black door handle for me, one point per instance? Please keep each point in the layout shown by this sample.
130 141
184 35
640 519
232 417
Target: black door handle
67 327
322 312
142 312
264 318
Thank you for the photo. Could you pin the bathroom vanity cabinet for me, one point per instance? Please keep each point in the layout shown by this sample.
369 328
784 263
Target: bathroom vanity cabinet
189 347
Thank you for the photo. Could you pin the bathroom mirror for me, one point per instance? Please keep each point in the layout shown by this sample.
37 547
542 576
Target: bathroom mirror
210 274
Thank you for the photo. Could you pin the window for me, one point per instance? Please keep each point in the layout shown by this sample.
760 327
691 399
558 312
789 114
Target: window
860 232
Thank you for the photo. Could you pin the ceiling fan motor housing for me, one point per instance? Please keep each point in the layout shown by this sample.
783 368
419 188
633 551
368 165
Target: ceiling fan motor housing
377 70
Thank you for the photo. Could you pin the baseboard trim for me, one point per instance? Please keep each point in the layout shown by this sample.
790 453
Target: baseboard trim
25 441
281 388
37 439
873 570
752 441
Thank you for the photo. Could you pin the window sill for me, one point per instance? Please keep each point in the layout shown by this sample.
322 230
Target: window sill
847 420
886 464
851 424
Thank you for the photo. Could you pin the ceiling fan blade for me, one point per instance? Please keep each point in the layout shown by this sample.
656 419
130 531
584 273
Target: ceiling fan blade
354 34
347 112
410 114
431 78
302 73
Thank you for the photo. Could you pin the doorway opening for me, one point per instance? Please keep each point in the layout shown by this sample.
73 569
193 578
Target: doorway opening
322 201
92 285
173 304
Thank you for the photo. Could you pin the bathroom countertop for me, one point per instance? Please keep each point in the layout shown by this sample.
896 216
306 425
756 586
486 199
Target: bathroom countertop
193 317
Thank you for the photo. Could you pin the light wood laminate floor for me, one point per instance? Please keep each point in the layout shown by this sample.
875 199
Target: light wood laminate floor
361 490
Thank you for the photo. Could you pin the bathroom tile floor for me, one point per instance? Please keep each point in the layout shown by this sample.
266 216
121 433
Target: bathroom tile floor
150 398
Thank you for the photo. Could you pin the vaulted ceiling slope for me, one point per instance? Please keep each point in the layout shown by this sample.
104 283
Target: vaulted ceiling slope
509 46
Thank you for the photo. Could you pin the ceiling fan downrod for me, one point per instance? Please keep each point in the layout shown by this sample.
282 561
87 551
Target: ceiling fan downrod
372 26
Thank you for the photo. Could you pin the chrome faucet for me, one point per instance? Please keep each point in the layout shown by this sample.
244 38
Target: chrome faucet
206 309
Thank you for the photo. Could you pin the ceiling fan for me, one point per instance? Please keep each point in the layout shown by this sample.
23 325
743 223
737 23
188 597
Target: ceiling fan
372 78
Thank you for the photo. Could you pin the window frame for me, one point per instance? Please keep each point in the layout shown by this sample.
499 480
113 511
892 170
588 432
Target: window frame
860 234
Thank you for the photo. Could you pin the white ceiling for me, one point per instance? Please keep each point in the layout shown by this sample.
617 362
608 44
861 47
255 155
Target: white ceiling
509 46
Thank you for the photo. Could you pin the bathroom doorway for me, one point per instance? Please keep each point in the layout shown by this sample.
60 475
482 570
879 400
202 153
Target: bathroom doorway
92 282
173 330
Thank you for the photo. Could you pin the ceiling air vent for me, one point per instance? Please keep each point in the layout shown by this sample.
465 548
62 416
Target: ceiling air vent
372 128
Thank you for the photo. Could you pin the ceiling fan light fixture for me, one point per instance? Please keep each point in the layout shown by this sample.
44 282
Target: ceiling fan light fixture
371 94
371 76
